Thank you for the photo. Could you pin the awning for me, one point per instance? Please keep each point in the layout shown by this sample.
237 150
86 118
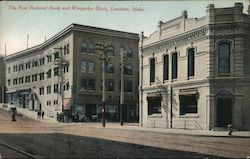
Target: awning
66 105
188 93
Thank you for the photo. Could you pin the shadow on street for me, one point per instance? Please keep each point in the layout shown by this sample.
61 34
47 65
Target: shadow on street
57 145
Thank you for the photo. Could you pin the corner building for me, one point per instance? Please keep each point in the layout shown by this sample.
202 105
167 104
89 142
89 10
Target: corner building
33 78
194 72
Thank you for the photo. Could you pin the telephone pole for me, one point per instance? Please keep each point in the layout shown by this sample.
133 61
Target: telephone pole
61 63
122 55
103 48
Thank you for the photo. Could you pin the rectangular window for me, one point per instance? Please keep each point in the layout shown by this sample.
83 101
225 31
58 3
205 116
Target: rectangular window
174 65
56 88
49 73
49 58
191 62
128 70
110 68
154 105
56 55
83 84
41 61
27 79
20 80
91 84
188 104
8 82
41 90
111 86
83 66
152 70
165 67
56 71
48 89
91 67
41 76
110 51
128 87
34 77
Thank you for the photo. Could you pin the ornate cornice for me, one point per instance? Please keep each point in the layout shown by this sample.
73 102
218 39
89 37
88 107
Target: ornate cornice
176 40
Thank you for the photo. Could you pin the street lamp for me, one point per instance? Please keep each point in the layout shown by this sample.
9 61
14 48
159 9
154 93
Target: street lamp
123 55
61 62
103 48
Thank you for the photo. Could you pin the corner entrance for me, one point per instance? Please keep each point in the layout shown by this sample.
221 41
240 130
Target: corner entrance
224 111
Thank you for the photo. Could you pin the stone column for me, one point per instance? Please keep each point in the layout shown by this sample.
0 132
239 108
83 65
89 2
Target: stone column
237 111
210 112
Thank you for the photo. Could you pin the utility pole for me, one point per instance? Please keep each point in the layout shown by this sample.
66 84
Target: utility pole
122 86
61 63
105 60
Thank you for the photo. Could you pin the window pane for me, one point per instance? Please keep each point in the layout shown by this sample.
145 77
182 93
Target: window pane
129 53
188 104
174 65
110 69
83 47
91 67
154 105
190 62
83 66
91 85
152 70
91 48
224 58
165 69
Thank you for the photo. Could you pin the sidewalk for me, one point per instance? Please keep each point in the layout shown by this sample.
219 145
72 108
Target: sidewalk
135 126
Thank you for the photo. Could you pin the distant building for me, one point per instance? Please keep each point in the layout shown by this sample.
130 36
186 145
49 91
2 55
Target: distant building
2 80
33 78
194 72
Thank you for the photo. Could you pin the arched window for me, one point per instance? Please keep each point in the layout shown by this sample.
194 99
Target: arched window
84 47
91 48
224 58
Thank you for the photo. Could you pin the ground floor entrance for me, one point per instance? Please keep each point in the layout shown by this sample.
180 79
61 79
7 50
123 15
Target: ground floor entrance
224 111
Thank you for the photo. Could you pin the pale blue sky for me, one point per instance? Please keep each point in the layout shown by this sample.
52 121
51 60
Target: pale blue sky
15 25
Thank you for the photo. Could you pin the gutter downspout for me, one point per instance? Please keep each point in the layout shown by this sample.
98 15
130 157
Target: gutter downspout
141 80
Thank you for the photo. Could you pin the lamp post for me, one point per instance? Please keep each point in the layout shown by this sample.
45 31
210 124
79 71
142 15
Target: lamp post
122 56
103 48
61 63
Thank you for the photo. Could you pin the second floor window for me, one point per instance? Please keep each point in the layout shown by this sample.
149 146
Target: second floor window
165 67
128 70
191 62
152 70
174 65
224 58
83 66
84 47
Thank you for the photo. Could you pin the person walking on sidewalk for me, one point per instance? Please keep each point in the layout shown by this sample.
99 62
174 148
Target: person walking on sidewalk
38 115
230 129
42 114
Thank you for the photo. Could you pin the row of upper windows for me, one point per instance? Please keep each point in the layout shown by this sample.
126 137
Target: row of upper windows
89 84
91 48
223 63
34 77
66 87
89 66
40 61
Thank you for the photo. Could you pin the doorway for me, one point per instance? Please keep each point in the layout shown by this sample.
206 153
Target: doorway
224 111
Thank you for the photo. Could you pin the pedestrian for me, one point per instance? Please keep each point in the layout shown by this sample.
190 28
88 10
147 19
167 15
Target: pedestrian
38 115
230 129
42 114
14 114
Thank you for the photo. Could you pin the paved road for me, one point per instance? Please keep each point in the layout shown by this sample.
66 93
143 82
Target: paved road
82 140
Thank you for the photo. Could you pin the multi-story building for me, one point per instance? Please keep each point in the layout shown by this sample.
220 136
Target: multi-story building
33 75
2 80
194 72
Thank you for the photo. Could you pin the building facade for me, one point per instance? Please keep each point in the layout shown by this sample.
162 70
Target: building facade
194 72
33 76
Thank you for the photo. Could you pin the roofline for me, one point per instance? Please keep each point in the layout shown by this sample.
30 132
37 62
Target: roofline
68 29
